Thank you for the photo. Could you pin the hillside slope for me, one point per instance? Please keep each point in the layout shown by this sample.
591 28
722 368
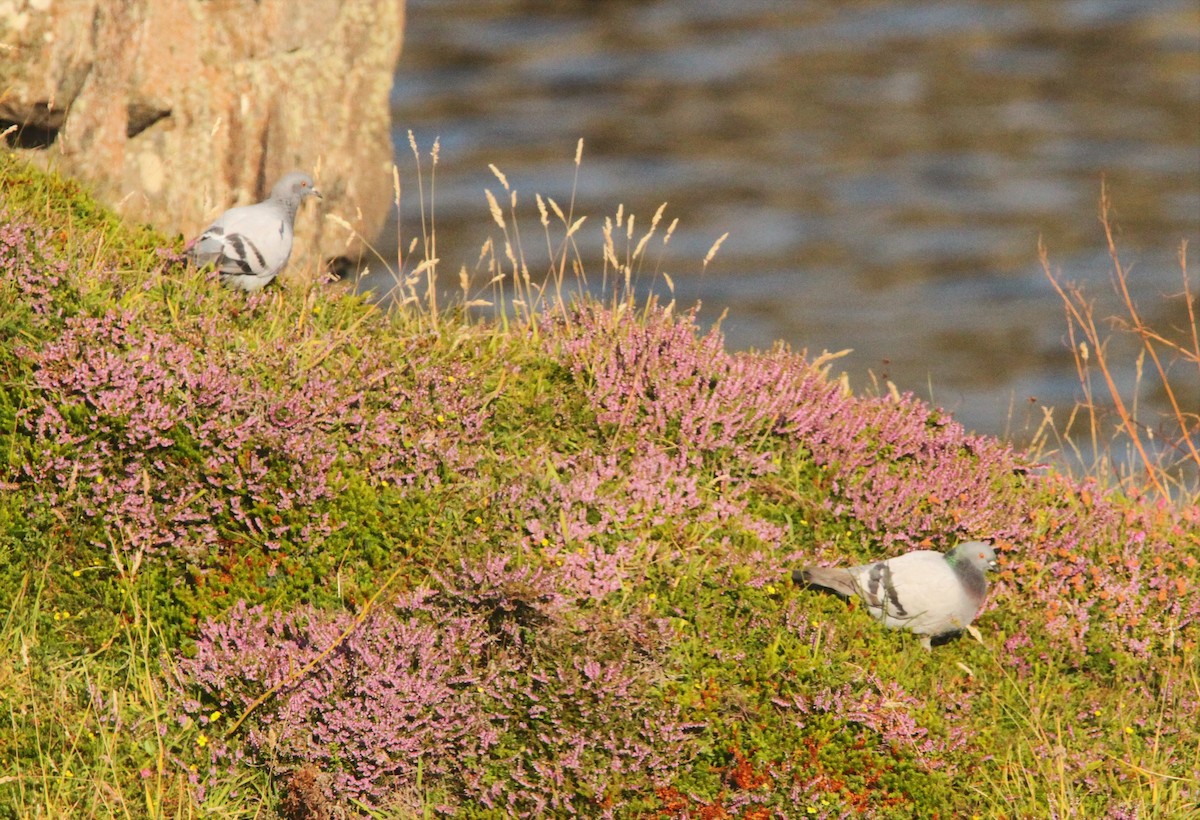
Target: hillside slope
288 555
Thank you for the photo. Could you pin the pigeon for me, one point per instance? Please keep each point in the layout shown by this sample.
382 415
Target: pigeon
250 245
932 594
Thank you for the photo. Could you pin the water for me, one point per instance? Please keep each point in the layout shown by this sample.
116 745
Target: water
884 170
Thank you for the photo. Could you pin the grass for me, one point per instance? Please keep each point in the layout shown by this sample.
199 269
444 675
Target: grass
1165 454
289 555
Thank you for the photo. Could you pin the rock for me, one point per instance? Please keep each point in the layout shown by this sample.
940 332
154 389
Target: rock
174 110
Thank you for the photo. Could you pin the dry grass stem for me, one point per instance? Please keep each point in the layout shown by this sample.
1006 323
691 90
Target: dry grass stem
1164 460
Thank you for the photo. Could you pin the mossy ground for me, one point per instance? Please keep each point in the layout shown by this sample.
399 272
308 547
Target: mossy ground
172 448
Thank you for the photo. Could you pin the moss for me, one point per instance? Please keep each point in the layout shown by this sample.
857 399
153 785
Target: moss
79 227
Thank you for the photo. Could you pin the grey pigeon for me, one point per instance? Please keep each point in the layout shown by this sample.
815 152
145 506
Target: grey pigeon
250 245
925 591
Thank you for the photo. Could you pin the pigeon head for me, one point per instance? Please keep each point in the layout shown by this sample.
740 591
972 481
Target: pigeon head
294 187
978 554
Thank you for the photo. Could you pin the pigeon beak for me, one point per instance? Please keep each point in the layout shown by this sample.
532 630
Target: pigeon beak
317 193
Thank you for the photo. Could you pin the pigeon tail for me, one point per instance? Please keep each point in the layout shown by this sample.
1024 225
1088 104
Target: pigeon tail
834 579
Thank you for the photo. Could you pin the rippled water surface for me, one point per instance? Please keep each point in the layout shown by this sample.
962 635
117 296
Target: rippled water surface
884 170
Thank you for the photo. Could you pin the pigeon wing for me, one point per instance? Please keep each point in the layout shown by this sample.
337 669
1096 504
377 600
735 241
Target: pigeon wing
253 241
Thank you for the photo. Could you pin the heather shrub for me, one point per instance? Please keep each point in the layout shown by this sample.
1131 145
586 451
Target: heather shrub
485 688
606 517
241 458
657 377
392 699
166 445
34 275
901 471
